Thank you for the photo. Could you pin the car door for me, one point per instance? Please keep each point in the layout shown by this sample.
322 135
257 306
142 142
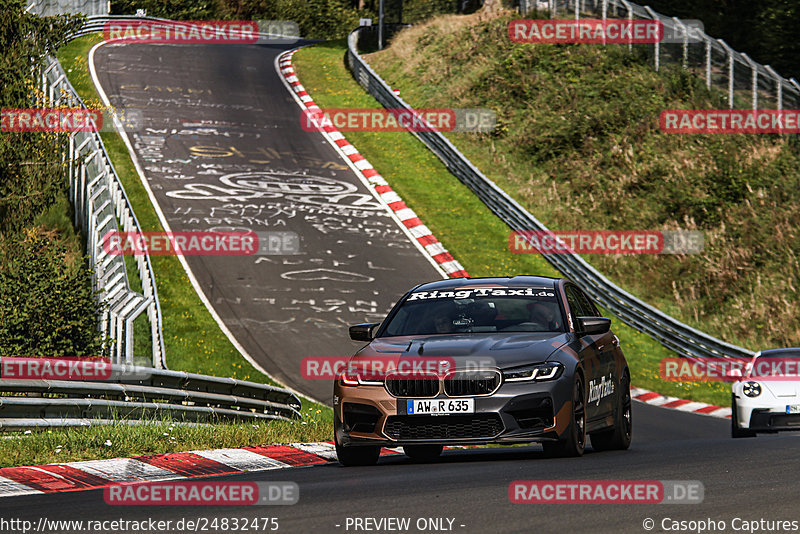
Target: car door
587 351
607 346
597 351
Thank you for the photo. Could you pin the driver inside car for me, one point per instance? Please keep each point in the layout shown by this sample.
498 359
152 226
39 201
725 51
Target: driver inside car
545 316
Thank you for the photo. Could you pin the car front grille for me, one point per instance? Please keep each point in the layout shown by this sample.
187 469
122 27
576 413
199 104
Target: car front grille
456 384
471 383
427 427
415 387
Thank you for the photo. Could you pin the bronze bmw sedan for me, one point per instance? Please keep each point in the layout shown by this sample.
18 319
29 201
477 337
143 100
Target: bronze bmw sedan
472 361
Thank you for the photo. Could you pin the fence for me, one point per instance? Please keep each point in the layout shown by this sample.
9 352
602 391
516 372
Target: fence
673 334
745 83
99 202
46 8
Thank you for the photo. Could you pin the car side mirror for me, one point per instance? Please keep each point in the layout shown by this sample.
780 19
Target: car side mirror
362 332
734 375
593 325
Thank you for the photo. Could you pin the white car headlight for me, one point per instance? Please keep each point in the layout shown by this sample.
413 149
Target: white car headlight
538 373
751 389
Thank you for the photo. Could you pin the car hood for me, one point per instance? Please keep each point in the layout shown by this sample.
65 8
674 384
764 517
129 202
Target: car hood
505 349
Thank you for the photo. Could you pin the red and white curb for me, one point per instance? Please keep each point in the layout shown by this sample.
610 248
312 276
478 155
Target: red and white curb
409 220
94 474
682 405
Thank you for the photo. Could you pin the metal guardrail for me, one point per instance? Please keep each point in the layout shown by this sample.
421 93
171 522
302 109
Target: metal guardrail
672 333
101 205
140 394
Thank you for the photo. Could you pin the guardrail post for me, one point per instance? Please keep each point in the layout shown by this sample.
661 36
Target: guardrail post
605 19
778 79
795 84
729 51
629 16
685 44
754 69
91 197
656 45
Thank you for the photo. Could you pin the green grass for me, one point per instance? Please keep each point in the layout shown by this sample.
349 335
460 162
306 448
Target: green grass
157 437
475 237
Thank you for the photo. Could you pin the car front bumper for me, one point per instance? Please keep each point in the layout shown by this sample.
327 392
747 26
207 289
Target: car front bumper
518 412
767 415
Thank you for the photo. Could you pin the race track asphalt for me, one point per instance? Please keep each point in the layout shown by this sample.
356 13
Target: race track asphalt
750 479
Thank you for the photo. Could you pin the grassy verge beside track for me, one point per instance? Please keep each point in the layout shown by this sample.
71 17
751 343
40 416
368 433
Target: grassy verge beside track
161 436
465 226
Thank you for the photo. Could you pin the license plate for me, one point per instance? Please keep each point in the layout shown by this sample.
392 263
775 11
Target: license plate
792 408
441 406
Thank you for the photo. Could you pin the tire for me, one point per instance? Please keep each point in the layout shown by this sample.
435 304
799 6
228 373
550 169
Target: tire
575 441
423 453
736 430
355 456
619 437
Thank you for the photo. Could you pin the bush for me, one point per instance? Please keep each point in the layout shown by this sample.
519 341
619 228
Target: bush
47 306
318 19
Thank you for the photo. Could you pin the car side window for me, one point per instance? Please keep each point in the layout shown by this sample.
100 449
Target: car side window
574 301
588 306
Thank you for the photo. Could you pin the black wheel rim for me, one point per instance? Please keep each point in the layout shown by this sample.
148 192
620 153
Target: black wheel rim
627 419
579 413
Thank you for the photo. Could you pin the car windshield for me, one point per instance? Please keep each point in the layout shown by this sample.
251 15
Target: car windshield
777 363
475 310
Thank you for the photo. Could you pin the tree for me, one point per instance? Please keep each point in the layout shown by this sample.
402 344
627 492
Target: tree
30 170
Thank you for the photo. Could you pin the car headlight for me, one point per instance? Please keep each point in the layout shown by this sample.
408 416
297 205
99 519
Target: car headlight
538 373
751 389
349 378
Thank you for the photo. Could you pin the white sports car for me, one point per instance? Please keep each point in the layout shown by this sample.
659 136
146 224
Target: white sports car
767 397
